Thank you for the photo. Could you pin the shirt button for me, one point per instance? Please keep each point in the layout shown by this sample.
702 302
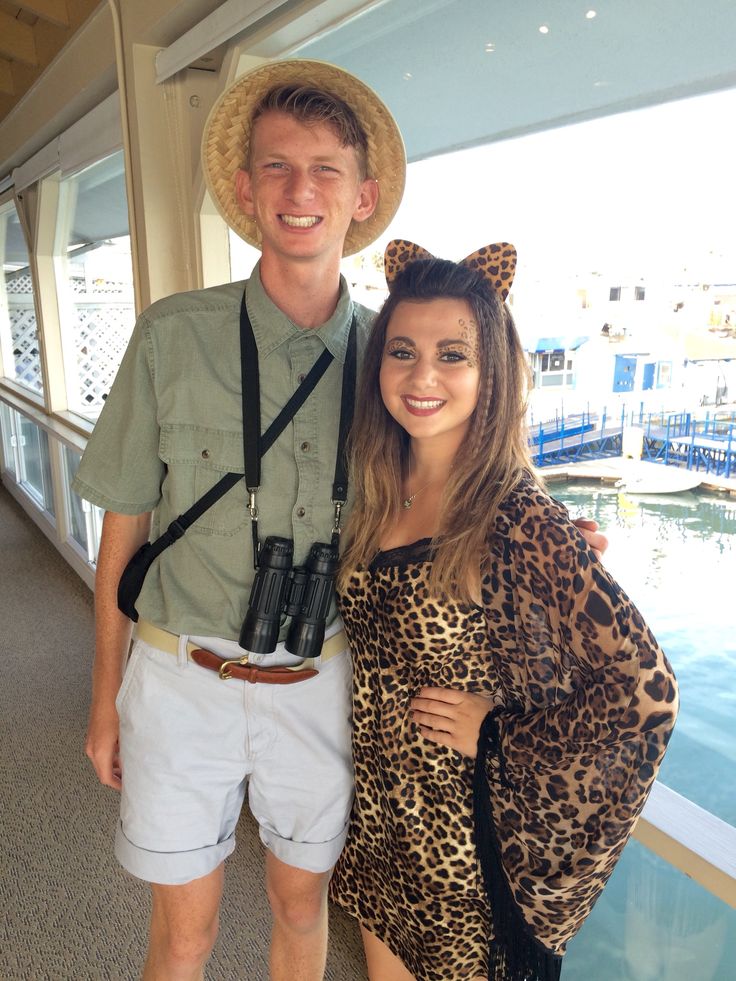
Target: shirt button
205 454
300 378
300 512
306 447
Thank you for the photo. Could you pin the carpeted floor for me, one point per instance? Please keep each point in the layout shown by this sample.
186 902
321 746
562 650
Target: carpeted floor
67 909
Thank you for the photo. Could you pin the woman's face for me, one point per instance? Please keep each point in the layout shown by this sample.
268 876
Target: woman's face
430 372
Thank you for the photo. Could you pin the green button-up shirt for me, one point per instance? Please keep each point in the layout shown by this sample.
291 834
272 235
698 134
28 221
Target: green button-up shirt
171 427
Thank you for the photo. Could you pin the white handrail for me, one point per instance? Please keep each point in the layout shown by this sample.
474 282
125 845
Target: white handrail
691 839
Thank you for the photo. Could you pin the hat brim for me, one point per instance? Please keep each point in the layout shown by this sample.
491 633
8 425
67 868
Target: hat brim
226 140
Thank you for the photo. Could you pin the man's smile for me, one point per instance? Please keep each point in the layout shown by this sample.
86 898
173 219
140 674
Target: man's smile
300 221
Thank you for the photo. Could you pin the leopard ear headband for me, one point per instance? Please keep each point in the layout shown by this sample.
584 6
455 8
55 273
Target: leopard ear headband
496 263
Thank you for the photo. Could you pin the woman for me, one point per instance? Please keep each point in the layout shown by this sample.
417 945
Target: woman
511 708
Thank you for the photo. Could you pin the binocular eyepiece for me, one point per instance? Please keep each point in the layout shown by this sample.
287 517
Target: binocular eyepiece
280 589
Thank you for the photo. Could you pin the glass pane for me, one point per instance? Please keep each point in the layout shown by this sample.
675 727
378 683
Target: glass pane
242 257
653 923
18 329
36 463
7 419
77 522
95 281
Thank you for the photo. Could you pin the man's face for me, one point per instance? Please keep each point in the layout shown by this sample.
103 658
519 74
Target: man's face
303 188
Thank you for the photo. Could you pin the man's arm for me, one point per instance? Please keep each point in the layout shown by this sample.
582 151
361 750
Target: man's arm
122 536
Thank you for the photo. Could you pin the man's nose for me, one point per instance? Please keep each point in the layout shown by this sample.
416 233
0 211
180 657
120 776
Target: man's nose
300 186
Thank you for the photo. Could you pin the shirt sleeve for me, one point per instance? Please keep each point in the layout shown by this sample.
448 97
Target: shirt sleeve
121 469
590 704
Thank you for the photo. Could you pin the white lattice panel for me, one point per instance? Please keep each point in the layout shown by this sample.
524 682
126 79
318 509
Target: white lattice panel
26 356
19 284
100 337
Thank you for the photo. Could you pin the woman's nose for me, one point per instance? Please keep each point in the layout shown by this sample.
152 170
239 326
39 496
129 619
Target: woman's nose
424 371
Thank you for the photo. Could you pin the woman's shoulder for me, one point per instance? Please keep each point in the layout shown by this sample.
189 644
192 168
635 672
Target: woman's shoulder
528 504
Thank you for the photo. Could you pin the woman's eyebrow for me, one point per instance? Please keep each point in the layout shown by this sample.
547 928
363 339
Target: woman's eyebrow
453 340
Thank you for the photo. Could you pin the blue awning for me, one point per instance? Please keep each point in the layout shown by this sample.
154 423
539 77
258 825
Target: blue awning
559 344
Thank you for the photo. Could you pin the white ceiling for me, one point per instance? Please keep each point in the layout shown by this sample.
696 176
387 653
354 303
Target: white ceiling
428 61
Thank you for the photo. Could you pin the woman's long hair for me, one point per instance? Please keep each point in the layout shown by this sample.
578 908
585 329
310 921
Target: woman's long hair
488 463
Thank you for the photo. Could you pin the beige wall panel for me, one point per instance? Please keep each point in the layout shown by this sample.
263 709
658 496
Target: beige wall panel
160 179
161 22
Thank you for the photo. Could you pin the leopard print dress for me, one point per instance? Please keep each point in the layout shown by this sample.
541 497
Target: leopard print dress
585 703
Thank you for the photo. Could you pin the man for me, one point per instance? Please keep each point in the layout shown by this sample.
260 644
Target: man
306 162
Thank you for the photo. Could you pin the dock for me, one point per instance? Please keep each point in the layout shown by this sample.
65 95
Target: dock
618 470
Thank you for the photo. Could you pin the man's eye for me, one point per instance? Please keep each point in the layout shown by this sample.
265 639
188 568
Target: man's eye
274 165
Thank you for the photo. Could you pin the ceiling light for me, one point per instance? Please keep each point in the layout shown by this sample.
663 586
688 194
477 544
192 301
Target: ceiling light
591 14
544 29
407 76
490 47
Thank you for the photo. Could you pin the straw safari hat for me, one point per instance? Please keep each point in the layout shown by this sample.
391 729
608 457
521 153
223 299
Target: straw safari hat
227 135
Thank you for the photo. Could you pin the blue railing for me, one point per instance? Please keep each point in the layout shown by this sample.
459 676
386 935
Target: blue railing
670 438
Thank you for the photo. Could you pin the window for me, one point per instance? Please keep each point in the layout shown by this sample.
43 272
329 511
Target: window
18 329
84 519
243 257
94 281
10 452
639 292
26 453
614 294
553 369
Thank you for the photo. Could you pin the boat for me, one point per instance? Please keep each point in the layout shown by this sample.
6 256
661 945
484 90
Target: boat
661 480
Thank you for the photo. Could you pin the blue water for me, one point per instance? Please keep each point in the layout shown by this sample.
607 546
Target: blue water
675 556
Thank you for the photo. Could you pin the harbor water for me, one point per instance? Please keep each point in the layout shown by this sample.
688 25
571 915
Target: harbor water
675 555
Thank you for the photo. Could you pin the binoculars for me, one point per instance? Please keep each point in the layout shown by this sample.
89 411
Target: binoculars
280 590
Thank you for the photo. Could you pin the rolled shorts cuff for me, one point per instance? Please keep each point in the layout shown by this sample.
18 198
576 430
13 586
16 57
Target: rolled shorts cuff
170 868
310 856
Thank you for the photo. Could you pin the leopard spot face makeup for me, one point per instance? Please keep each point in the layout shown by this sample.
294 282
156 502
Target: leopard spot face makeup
469 335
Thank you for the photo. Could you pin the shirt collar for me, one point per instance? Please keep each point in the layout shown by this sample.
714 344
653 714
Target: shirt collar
272 328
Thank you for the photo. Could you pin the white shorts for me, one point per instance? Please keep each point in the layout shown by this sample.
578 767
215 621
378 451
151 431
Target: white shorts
191 742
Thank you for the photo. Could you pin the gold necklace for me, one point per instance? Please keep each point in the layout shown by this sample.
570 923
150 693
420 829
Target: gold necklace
408 501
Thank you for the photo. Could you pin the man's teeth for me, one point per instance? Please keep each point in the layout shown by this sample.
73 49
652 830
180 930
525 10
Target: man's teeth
300 221
425 403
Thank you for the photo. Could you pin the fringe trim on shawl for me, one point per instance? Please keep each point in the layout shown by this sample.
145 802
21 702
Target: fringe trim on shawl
515 954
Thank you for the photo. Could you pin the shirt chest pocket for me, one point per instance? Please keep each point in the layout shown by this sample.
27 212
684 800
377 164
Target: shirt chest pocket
196 459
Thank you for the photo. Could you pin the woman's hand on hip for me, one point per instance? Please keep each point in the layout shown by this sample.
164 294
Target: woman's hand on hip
450 717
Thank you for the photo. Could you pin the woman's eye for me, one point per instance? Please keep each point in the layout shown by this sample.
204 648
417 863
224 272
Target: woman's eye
400 353
452 356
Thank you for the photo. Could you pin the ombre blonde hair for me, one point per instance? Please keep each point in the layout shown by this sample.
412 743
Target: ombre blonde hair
488 464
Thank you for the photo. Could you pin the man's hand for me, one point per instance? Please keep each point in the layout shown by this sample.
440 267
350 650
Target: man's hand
102 747
450 717
122 536
589 530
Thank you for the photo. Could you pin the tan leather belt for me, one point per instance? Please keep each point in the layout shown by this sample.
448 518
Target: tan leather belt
164 640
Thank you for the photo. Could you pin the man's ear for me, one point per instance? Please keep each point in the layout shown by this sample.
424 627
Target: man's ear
367 200
243 193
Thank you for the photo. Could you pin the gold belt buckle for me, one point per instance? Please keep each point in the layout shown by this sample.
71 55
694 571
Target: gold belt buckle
224 671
